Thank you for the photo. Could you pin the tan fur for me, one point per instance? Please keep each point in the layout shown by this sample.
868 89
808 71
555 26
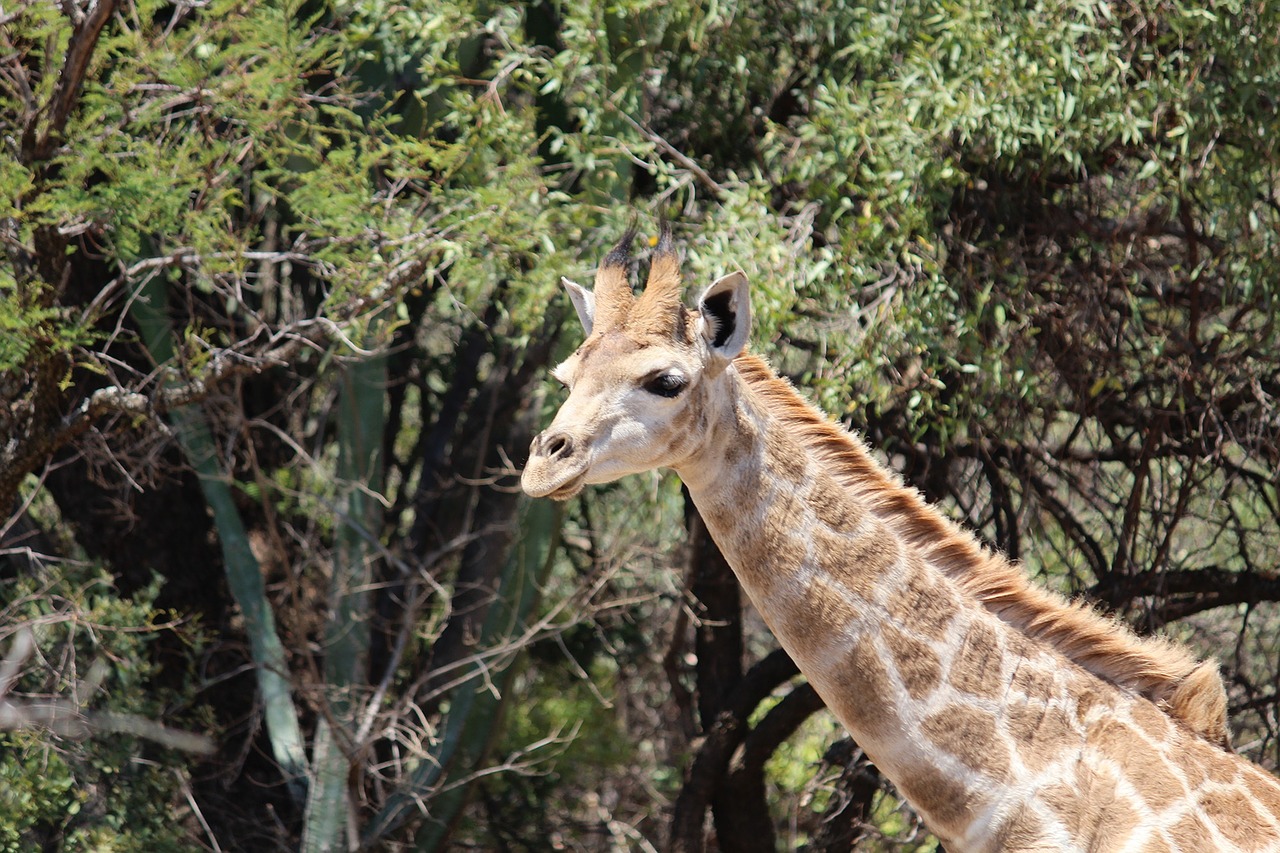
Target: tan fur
659 311
614 299
1156 668
971 735
1200 701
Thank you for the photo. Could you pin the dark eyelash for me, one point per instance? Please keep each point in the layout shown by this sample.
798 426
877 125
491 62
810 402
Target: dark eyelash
666 385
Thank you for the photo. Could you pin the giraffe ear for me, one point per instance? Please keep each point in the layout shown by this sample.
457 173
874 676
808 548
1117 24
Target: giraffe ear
584 302
725 315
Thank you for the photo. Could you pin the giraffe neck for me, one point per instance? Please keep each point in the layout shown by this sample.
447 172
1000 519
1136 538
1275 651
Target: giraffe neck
870 623
996 738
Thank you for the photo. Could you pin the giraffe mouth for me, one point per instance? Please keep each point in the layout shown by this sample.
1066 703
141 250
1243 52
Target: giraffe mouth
570 489
541 480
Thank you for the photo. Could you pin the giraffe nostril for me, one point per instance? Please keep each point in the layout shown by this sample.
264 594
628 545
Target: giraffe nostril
557 446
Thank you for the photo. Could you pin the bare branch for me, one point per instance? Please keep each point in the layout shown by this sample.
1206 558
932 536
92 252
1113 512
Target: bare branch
19 650
66 718
674 153
88 26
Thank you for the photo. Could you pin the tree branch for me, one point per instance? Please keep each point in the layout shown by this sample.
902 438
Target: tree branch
29 441
724 736
84 38
741 807
66 718
1187 592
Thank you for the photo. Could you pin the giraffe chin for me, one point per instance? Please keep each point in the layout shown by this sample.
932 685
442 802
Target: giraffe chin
569 489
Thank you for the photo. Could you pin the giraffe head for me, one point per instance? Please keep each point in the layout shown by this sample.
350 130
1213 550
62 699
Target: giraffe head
640 384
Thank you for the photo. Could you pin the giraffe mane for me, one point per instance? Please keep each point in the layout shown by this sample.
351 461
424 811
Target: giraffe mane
1188 690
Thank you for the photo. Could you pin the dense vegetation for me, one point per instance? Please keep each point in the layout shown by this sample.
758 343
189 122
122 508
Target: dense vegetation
279 296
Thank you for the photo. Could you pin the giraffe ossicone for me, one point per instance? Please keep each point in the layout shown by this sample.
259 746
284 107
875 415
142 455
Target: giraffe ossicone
1010 718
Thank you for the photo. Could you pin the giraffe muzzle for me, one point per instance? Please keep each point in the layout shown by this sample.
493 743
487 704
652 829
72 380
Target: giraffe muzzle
556 469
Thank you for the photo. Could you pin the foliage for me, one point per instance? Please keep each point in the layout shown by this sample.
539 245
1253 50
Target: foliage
111 792
299 262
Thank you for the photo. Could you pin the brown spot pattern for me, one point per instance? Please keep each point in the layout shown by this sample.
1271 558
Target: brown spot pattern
1041 734
1200 761
787 460
944 803
1237 820
1088 695
732 454
831 605
1192 767
1265 788
970 735
834 506
1022 830
1066 804
770 553
815 619
1032 679
1018 644
925 603
1088 804
784 516
1190 833
862 681
1139 763
917 664
1151 720
861 562
977 666
1112 825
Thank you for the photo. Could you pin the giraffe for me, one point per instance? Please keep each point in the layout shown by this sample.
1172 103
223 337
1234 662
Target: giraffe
1008 717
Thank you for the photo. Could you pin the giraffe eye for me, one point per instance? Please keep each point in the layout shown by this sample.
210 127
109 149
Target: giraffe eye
666 385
